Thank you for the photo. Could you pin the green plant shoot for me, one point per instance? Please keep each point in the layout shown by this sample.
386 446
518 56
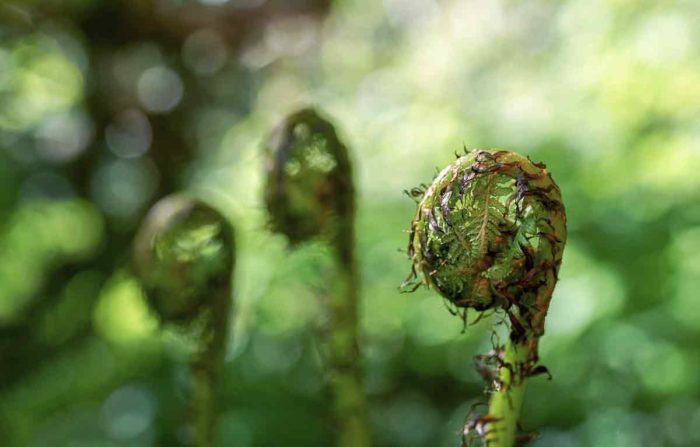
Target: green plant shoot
184 256
488 234
309 194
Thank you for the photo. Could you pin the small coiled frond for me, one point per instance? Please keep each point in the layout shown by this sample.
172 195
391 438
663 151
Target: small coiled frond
309 178
182 253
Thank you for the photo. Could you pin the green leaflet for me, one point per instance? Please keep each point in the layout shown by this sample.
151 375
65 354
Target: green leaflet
486 213
503 267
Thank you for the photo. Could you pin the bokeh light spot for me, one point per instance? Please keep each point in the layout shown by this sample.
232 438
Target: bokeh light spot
62 137
129 135
204 52
160 89
128 412
122 315
122 187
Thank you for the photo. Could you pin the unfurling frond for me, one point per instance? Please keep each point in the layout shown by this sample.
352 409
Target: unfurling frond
489 233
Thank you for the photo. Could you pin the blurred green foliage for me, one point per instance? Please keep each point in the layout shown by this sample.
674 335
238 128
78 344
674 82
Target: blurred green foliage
106 106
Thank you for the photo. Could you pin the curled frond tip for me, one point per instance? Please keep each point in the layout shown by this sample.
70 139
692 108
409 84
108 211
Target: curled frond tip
309 179
183 252
489 233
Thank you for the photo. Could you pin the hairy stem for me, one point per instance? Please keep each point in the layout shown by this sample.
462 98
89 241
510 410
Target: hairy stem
507 398
206 369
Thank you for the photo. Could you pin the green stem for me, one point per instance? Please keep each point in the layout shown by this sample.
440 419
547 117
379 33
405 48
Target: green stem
507 398
344 362
207 368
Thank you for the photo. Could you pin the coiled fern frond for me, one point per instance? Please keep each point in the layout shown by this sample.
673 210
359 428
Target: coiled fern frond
309 190
184 257
309 195
489 234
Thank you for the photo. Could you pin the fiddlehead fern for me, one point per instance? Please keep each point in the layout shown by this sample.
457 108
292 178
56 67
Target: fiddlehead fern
184 256
309 194
488 234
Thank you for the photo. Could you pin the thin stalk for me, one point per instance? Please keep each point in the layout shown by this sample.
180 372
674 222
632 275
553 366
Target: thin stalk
344 362
507 397
206 368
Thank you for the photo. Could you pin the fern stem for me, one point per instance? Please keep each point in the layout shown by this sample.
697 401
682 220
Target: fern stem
507 398
206 369
344 362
